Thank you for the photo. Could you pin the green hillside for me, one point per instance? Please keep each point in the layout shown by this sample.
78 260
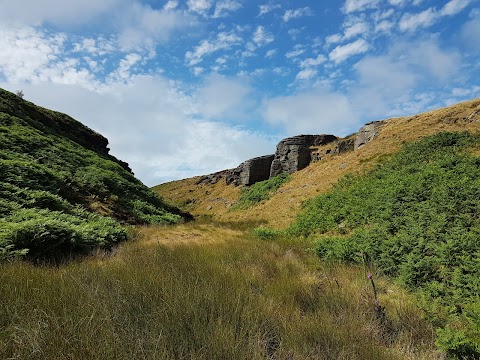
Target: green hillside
60 190
415 217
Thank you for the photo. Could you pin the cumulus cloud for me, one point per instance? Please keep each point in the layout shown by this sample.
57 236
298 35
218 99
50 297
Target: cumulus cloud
141 25
223 40
387 84
470 32
343 52
454 7
224 7
296 13
57 12
351 6
307 74
311 112
267 8
221 97
199 6
411 22
262 37
426 18
298 50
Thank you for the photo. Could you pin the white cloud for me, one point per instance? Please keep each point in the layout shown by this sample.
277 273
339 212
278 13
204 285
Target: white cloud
454 7
356 29
388 85
224 7
470 32
171 5
312 112
306 74
222 41
332 39
351 6
312 62
343 52
384 26
297 51
199 6
397 2
265 9
58 12
410 22
222 97
426 18
144 26
296 13
262 37
271 53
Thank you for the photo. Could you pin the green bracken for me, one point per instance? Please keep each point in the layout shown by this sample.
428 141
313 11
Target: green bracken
416 217
260 191
52 170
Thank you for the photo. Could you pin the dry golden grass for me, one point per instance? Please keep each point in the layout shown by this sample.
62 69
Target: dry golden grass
204 291
319 177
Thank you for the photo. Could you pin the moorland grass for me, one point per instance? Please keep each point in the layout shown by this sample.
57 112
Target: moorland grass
231 297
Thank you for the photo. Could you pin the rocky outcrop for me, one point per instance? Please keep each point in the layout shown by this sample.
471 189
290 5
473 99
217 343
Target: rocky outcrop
344 146
213 178
251 171
294 153
367 133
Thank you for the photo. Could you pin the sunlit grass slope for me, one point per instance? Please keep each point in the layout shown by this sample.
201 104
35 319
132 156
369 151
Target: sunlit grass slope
281 208
203 291
60 190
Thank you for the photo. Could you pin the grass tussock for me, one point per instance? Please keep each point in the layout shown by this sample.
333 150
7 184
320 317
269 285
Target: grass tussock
231 297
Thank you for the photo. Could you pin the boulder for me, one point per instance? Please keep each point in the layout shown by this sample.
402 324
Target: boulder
294 153
251 171
367 133
344 145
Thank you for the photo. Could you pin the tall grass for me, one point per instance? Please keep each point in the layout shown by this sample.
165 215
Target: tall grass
233 297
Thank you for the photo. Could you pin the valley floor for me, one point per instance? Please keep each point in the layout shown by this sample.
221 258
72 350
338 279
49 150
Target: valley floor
206 291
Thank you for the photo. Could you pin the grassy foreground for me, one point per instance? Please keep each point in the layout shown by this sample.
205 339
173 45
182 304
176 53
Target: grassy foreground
200 291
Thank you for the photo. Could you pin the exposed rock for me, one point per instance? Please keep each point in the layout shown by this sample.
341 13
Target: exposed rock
344 146
316 156
367 133
251 171
294 153
213 178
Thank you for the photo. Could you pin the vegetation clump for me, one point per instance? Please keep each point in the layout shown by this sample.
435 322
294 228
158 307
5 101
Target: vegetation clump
416 217
60 190
261 191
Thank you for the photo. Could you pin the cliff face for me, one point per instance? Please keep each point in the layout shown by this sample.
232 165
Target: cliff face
294 154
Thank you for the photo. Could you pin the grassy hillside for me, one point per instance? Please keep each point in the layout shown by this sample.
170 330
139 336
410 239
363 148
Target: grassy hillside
60 190
415 217
281 209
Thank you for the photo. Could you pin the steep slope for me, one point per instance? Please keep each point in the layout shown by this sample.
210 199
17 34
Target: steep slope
57 180
281 209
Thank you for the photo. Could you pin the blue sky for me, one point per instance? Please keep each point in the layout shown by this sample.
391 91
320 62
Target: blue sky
189 87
